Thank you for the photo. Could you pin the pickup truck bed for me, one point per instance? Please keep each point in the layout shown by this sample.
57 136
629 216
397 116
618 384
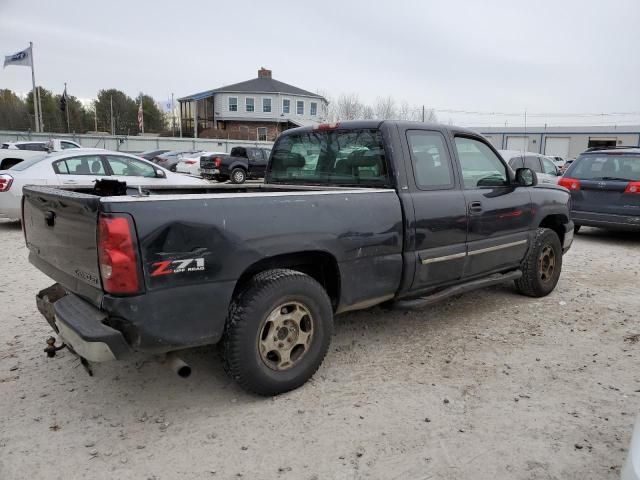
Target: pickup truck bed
350 216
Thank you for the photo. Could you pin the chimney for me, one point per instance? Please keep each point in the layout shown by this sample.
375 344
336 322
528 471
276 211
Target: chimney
264 73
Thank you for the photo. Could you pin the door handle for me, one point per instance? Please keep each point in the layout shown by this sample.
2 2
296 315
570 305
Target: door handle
475 207
69 181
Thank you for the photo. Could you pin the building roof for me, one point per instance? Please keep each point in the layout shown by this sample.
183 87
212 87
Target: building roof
255 85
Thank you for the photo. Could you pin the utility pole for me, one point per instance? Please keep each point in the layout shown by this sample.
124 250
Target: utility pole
36 115
113 131
95 117
66 109
40 110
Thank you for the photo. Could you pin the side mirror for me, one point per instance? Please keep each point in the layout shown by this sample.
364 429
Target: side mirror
525 177
160 173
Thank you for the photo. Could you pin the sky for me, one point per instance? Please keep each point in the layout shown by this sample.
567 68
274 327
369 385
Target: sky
475 62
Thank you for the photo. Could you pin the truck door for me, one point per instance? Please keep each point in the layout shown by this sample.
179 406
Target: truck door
257 163
499 212
439 208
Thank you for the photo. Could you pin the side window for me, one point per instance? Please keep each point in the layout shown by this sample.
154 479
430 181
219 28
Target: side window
548 167
89 165
130 167
516 163
480 166
66 145
533 163
430 159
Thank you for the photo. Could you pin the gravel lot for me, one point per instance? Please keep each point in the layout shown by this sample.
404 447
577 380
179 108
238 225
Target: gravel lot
489 385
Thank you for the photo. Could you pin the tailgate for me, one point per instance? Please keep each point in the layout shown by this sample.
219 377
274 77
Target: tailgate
61 234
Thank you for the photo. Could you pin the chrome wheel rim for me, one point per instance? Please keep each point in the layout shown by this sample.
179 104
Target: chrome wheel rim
547 263
285 336
238 176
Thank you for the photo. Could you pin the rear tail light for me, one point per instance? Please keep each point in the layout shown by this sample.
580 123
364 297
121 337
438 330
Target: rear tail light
569 183
217 162
326 126
633 187
5 182
117 252
190 162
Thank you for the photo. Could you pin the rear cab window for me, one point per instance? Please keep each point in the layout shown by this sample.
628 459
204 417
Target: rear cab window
353 157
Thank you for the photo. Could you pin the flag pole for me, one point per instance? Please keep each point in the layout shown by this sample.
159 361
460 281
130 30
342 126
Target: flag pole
35 96
66 105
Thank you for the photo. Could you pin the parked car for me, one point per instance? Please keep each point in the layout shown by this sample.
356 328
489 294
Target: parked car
80 167
402 212
558 161
543 166
190 163
151 154
13 153
169 160
605 188
243 163
566 165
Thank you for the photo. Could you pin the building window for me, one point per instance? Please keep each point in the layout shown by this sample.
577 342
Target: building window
300 107
249 104
233 104
314 109
266 105
286 105
262 134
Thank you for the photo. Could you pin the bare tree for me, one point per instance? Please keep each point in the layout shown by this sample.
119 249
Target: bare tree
349 107
385 108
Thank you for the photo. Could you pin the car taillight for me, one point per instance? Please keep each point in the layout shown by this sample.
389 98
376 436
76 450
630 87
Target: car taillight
5 182
190 162
633 187
217 162
117 253
569 183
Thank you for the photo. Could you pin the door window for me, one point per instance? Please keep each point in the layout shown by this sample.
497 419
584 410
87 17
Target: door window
130 167
533 163
430 159
548 167
89 165
480 166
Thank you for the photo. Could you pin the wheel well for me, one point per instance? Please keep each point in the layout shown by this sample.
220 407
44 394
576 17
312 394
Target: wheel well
556 223
321 266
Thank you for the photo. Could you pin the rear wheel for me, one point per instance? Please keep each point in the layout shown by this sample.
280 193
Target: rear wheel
278 332
542 266
238 175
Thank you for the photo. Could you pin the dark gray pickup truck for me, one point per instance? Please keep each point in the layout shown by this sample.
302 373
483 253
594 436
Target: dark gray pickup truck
350 215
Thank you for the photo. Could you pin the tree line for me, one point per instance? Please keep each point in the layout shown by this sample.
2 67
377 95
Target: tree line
348 106
17 113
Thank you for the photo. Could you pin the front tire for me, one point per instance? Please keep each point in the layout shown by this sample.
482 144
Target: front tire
278 332
542 266
238 175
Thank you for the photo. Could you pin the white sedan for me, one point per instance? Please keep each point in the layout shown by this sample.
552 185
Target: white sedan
81 167
190 163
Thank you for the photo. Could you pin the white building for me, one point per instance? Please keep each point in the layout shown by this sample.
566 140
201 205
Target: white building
257 109
565 142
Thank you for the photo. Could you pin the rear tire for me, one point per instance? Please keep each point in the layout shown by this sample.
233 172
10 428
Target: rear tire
542 266
238 175
264 350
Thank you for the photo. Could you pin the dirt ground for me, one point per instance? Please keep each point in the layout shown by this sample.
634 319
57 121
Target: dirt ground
489 385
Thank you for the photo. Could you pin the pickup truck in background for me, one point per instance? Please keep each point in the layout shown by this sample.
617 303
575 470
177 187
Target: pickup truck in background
12 153
351 215
243 163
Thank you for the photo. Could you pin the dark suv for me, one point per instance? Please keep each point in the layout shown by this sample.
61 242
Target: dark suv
605 188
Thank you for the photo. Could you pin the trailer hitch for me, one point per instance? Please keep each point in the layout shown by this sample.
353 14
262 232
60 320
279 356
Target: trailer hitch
51 348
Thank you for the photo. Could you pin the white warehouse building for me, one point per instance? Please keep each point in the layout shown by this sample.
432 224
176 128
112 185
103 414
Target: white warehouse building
565 142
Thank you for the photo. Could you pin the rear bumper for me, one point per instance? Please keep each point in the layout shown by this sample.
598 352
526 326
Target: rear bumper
606 220
80 325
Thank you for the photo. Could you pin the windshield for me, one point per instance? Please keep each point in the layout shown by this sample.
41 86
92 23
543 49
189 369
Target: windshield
606 167
27 163
337 157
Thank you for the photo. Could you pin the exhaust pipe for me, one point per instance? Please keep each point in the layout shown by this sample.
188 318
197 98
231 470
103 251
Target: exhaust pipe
179 366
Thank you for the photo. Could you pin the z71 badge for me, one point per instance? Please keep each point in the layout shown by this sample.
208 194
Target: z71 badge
168 267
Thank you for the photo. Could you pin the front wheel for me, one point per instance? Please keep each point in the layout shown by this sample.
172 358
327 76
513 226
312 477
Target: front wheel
238 175
278 332
542 265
